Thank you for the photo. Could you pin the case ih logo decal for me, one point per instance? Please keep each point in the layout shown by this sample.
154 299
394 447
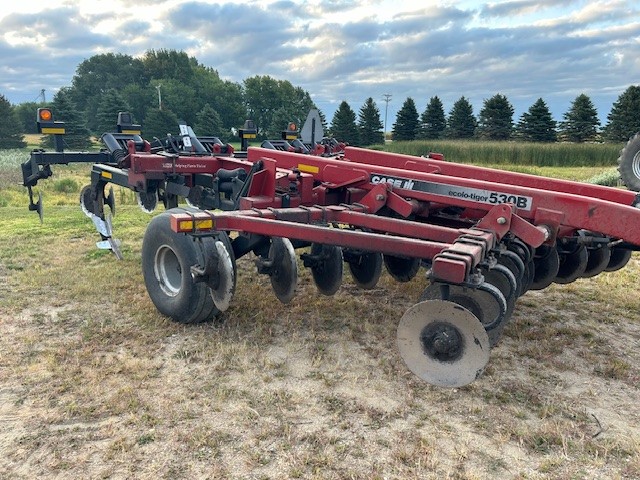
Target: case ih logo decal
465 193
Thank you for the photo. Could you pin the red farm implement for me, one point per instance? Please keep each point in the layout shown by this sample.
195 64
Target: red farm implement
483 237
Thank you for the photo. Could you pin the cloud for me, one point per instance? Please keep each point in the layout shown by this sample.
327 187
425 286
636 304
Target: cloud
351 49
520 7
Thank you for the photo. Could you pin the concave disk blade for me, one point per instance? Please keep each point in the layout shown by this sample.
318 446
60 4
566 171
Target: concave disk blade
147 201
547 263
366 269
485 302
598 261
619 258
402 269
443 343
284 276
87 202
327 273
223 289
572 265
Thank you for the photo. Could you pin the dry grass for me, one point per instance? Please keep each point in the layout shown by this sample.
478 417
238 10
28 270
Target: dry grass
96 384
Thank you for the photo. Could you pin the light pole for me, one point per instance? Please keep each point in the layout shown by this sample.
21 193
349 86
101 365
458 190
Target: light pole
387 99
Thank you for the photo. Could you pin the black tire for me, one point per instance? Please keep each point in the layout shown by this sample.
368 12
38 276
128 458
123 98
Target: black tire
629 163
167 258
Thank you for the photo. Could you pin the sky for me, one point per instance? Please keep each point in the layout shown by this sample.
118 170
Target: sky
346 50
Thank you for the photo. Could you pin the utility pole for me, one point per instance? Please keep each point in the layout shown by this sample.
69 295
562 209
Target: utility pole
387 99
159 97
41 96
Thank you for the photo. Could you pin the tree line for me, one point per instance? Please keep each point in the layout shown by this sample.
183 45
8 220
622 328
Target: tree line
580 122
166 86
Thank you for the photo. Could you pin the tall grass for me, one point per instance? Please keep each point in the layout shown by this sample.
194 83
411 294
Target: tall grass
514 153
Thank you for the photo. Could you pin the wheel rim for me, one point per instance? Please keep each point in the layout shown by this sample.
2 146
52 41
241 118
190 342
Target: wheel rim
168 271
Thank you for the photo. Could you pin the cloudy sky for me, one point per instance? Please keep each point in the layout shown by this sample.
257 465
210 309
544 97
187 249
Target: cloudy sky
346 49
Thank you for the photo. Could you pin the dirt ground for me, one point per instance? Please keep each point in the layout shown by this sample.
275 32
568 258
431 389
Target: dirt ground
97 384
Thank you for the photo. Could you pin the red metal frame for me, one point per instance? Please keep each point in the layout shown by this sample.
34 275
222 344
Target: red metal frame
361 189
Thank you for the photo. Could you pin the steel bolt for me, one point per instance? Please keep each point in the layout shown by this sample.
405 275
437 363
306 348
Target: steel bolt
379 197
501 220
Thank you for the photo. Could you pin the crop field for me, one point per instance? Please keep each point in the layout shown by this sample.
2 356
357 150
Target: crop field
95 383
521 155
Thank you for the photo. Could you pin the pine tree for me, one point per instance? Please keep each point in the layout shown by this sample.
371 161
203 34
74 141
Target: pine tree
11 135
495 121
159 123
580 123
209 123
406 126
77 135
111 103
461 122
343 125
281 118
624 119
370 124
432 120
537 125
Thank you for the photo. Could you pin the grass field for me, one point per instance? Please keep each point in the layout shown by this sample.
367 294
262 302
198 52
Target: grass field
95 383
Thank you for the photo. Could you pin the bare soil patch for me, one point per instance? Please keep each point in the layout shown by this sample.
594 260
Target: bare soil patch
94 383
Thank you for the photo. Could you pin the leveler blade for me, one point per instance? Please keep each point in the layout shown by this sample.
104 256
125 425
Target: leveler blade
105 229
443 343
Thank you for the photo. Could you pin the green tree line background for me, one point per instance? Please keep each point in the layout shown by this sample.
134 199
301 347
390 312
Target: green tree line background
165 86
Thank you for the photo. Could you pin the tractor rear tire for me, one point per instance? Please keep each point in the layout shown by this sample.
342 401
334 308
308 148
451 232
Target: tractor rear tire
167 258
629 164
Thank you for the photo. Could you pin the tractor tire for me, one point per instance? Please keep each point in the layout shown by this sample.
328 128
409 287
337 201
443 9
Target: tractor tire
167 258
629 164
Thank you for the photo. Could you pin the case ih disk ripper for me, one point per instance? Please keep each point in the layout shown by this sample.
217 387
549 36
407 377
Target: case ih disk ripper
484 237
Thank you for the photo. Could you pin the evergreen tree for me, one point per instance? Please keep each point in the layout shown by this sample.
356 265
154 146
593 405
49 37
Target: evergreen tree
624 118
537 125
111 103
495 121
208 123
158 123
406 126
11 135
370 124
461 122
26 113
343 125
281 118
580 123
432 120
77 135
